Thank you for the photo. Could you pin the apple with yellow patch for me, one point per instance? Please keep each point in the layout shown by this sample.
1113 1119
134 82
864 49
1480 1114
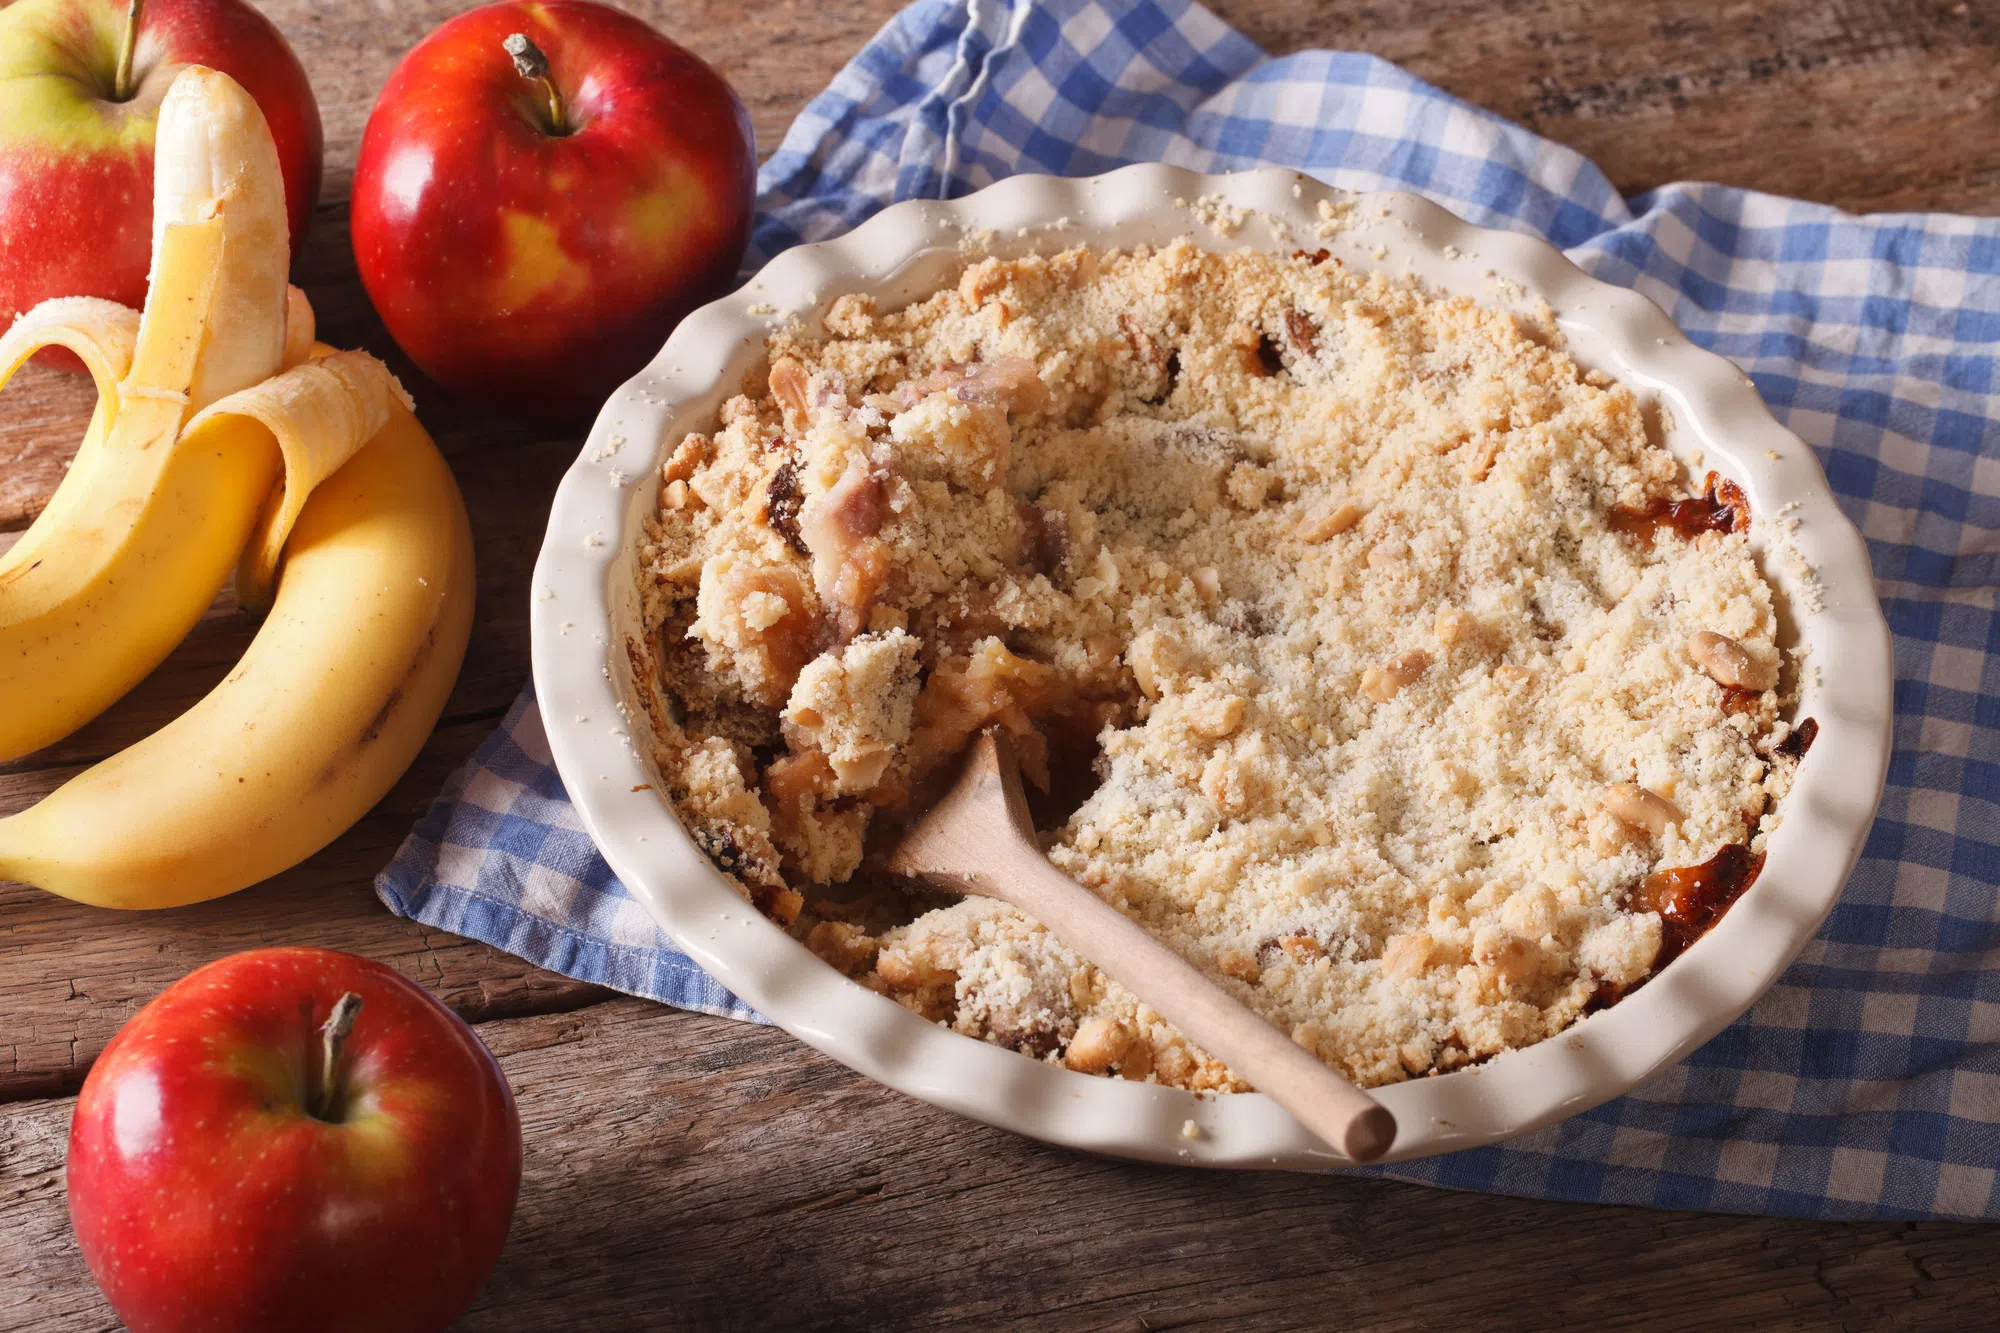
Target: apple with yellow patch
544 190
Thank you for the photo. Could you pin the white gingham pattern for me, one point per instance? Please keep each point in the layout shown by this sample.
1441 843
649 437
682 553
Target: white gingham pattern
1867 1082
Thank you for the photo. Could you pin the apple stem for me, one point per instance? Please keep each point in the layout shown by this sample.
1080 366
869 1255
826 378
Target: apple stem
332 1033
121 83
530 63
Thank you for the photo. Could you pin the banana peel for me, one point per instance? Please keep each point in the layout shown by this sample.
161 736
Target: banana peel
102 334
317 416
225 436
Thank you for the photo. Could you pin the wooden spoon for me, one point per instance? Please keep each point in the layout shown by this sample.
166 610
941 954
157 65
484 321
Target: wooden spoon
978 839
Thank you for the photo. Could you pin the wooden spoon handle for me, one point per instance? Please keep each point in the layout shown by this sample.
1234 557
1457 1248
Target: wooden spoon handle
1318 1098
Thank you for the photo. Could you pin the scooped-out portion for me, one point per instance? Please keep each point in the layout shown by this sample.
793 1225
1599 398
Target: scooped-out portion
1355 641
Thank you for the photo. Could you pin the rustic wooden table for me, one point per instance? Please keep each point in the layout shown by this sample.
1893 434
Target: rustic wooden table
684 1171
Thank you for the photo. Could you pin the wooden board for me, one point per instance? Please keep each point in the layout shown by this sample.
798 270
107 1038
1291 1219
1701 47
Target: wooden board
689 1172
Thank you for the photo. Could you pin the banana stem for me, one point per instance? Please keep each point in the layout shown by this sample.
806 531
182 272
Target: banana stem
326 1105
121 83
531 64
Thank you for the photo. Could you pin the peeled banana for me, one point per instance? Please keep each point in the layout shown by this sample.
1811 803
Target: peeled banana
143 531
333 699
224 436
214 158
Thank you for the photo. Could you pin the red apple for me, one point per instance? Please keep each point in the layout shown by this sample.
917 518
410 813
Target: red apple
76 133
237 1165
530 238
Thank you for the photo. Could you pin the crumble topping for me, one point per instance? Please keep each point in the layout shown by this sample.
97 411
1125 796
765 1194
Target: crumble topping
1354 640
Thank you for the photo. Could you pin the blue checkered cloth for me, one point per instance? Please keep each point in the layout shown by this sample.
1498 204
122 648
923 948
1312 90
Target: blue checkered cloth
1866 1083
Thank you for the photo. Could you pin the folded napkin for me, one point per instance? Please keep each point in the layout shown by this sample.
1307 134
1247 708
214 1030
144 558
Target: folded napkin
1867 1082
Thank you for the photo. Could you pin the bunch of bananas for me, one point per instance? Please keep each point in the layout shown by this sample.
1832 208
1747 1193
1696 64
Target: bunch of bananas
225 437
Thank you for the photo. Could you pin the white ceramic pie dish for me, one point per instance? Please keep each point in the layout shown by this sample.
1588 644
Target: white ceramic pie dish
585 580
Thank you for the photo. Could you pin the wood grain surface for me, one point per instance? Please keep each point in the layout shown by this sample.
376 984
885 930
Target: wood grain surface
685 1172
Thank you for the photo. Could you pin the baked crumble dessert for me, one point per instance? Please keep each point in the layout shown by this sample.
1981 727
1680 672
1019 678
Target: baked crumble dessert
1355 641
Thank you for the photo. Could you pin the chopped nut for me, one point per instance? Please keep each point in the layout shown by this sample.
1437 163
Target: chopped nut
1099 1043
1484 453
1239 964
1407 955
862 771
1105 570
1325 523
1610 836
1383 683
1634 806
675 496
1155 659
850 316
1728 662
690 454
1530 912
983 281
1216 718
1302 948
1506 956
1453 625
1102 649
788 386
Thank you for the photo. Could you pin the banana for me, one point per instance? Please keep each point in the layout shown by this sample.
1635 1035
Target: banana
224 435
214 158
103 334
335 696
144 530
